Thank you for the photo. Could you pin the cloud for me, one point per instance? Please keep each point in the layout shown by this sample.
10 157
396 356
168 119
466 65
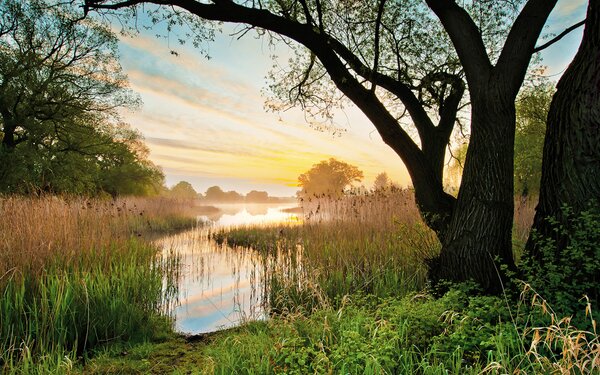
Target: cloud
570 7
206 119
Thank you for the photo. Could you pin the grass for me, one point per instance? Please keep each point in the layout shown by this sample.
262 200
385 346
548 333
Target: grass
344 300
347 292
374 244
75 275
417 334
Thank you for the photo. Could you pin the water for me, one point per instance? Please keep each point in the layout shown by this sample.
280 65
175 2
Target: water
220 287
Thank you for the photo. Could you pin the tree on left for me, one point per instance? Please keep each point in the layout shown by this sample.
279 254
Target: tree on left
61 88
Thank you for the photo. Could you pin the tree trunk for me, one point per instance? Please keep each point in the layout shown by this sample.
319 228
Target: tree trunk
8 130
571 159
478 238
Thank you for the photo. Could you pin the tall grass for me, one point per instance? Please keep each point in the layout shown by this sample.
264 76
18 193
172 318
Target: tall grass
74 275
35 231
374 243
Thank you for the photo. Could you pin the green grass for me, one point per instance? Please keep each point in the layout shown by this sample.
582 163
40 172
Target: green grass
74 276
48 321
459 333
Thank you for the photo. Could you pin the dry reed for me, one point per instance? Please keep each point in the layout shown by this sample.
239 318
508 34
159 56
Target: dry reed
36 231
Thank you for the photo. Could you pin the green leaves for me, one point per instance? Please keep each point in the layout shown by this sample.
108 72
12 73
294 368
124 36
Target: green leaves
61 88
532 109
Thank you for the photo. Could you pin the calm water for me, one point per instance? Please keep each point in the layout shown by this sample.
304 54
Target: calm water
219 286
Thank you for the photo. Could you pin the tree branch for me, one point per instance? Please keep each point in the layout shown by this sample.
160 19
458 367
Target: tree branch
376 57
466 38
520 43
428 187
559 36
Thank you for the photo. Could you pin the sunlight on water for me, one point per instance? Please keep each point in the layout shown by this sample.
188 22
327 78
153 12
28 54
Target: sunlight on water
220 286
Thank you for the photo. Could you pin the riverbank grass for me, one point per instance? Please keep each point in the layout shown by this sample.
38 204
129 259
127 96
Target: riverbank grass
458 333
76 275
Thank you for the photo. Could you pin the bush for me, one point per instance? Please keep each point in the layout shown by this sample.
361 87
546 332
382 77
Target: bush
567 264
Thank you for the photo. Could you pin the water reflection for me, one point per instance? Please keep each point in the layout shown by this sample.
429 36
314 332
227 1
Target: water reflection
220 286
245 214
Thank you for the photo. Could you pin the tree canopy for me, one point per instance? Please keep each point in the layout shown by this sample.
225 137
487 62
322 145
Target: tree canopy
183 190
61 87
382 181
328 178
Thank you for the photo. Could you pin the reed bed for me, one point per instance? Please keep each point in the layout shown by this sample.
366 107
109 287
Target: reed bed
36 231
77 273
375 243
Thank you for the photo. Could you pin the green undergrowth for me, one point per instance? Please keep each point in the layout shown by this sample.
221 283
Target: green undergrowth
50 321
456 334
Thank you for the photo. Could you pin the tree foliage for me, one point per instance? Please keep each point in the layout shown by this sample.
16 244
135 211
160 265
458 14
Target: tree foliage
532 111
328 178
382 181
61 87
183 190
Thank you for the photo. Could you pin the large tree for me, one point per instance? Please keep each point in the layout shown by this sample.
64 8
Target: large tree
570 182
364 48
60 88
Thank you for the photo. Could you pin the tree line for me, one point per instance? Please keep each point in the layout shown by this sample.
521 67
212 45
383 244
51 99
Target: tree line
215 194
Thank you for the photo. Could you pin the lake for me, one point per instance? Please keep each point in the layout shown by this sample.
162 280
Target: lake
220 286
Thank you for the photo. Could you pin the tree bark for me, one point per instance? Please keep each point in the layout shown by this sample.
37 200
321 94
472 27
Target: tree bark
479 234
571 158
478 239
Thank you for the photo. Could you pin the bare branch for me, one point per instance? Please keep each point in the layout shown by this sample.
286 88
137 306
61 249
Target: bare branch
559 36
377 30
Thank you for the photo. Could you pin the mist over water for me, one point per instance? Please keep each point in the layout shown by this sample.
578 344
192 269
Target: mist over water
220 286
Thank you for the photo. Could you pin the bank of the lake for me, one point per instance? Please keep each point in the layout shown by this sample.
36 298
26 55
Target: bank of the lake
79 274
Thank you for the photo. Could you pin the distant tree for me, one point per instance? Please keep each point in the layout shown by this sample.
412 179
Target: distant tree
328 178
382 182
233 197
183 190
214 194
257 196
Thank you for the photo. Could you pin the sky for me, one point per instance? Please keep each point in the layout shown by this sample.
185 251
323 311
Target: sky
204 120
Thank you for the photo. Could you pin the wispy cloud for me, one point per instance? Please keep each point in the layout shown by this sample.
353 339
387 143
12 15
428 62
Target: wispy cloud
204 120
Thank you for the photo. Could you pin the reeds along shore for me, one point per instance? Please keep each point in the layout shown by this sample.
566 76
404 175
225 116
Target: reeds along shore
374 243
74 274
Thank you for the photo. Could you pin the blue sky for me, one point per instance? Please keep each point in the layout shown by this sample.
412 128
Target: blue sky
204 119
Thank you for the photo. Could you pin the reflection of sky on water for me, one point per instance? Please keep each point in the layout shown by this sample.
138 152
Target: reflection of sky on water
219 286
246 214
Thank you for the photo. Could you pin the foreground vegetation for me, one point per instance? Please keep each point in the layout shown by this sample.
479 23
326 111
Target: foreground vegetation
76 274
417 334
347 294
